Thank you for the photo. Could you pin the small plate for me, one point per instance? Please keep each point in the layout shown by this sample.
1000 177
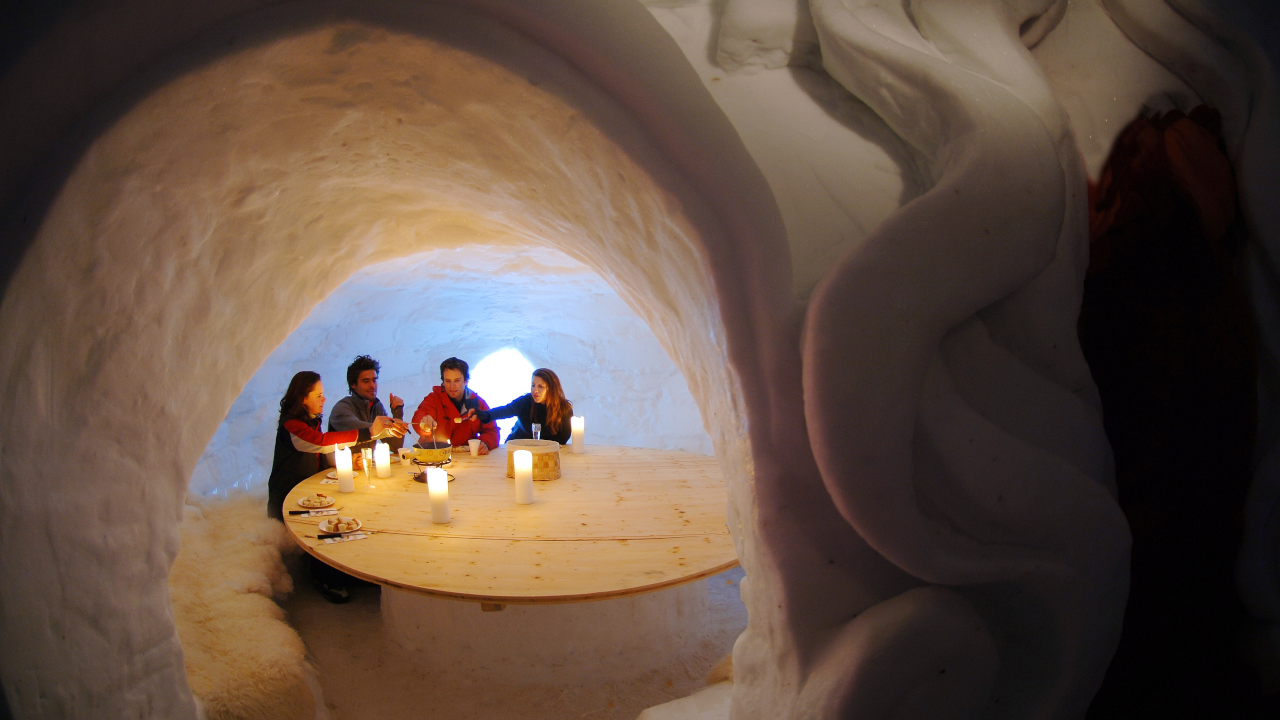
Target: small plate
333 475
327 524
331 500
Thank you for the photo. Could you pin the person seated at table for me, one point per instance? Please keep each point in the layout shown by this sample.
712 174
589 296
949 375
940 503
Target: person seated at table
544 405
449 411
300 446
299 454
361 407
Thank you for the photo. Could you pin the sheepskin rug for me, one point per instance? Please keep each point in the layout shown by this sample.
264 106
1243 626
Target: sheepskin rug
243 660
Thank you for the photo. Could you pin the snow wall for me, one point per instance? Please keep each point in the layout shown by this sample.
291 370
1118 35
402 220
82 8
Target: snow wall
204 218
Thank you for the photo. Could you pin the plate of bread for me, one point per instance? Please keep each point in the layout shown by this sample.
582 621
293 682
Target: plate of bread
318 500
339 525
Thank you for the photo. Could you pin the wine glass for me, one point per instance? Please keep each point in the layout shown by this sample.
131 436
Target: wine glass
368 466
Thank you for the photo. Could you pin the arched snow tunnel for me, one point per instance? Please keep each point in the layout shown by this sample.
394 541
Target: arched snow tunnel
215 204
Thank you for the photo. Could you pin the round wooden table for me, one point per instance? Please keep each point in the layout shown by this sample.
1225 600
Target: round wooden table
619 522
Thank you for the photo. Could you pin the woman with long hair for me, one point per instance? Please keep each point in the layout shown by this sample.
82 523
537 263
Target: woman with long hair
301 447
300 453
544 405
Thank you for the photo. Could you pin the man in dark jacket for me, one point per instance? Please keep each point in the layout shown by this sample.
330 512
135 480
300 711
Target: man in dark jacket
361 406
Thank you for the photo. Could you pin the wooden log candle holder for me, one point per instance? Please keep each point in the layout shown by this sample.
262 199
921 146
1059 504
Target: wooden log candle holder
546 458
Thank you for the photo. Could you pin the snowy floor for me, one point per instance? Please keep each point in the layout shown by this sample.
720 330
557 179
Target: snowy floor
365 675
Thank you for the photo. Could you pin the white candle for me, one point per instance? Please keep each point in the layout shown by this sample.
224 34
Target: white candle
578 423
438 488
382 457
346 478
523 462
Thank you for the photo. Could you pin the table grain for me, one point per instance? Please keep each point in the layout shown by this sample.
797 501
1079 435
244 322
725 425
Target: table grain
620 521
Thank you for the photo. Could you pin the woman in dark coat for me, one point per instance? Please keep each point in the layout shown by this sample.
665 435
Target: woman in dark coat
300 453
300 446
545 405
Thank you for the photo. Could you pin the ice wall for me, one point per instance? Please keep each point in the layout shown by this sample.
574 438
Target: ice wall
201 223
468 302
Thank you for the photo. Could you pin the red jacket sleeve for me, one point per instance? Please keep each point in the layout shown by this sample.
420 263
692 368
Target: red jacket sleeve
308 439
428 406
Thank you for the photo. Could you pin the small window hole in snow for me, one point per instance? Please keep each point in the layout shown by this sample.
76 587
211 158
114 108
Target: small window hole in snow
500 378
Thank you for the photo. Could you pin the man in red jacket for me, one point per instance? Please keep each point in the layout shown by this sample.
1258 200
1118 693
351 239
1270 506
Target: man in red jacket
450 410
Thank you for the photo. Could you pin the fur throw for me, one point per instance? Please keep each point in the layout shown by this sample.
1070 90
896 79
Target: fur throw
243 660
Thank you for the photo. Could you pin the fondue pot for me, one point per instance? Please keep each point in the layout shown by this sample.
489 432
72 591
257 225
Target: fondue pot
430 453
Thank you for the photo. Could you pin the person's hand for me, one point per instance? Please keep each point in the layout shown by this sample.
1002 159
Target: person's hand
357 459
396 402
426 425
396 428
483 450
383 424
470 413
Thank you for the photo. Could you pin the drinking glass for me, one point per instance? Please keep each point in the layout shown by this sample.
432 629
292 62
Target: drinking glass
368 466
537 431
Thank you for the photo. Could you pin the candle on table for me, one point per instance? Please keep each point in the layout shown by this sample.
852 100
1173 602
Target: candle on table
346 478
578 423
438 489
382 457
523 462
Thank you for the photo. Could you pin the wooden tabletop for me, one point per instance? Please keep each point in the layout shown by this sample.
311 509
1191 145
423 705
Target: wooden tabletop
620 521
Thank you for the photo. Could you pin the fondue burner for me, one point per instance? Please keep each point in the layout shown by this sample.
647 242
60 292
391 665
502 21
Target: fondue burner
431 454
421 475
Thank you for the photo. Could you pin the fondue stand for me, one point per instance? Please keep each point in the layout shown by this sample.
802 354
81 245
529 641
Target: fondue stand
593 578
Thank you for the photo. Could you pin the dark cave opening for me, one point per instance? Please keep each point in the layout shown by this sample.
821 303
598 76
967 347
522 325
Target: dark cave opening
1171 341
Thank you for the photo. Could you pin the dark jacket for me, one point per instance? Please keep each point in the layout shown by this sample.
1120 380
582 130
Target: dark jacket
355 413
527 412
299 445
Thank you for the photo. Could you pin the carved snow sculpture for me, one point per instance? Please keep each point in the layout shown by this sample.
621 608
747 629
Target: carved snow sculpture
914 458
759 34
948 405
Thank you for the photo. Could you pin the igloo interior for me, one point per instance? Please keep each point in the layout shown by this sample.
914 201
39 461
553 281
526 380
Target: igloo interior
471 301
843 244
